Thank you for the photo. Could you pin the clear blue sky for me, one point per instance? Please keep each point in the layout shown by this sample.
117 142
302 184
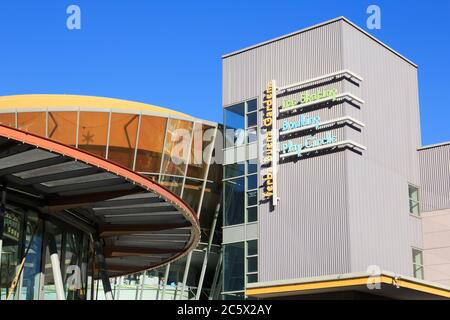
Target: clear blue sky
168 53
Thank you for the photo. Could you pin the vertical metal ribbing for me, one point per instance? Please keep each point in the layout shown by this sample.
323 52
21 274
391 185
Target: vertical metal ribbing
2 219
188 159
78 127
274 143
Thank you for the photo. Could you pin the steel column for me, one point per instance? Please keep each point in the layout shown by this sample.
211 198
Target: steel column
103 271
166 275
56 267
185 275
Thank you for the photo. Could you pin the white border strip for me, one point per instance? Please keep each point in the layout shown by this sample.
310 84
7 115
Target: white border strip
332 145
330 75
339 96
347 119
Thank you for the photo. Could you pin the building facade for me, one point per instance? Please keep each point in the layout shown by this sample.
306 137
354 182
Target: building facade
321 171
142 138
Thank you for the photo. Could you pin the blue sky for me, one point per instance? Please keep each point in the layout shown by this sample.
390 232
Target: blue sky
168 53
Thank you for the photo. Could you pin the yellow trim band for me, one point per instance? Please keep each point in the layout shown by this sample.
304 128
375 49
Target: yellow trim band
63 100
347 283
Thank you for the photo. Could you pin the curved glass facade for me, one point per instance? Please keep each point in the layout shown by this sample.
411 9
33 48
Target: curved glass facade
174 151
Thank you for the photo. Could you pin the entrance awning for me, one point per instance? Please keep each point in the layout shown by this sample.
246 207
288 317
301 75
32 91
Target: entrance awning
142 225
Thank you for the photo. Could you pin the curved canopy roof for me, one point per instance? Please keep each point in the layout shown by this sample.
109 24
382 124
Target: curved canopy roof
142 224
31 101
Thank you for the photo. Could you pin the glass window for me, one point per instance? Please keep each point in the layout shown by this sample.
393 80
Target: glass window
252 105
252 214
192 192
174 184
418 263
200 152
8 119
93 132
151 143
234 125
176 148
252 119
252 135
233 268
253 277
33 122
62 127
414 204
234 201
252 264
252 166
252 247
252 198
122 138
11 250
234 170
32 267
252 182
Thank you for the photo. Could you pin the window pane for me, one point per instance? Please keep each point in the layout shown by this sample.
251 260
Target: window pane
33 122
122 138
176 148
251 105
234 201
8 119
192 192
233 268
417 257
151 142
252 198
252 182
413 193
252 247
414 207
252 264
252 278
197 162
252 214
32 267
93 132
173 184
252 166
62 127
252 135
234 125
234 170
252 119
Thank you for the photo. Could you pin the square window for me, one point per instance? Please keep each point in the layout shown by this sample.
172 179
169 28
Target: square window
252 247
252 198
252 264
252 182
252 105
252 214
252 119
252 278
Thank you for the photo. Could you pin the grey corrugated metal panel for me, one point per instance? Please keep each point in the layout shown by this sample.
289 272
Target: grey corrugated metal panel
379 221
321 25
390 112
307 234
381 229
435 177
298 58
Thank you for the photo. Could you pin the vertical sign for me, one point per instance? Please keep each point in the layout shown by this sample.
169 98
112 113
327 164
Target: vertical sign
270 158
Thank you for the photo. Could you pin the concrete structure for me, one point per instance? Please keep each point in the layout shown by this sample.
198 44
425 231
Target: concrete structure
337 126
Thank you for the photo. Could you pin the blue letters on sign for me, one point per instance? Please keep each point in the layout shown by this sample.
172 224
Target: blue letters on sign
308 143
302 121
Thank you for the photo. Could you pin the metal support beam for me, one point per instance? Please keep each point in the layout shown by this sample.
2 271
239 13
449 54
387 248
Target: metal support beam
186 272
207 251
215 281
56 267
166 276
141 293
103 271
